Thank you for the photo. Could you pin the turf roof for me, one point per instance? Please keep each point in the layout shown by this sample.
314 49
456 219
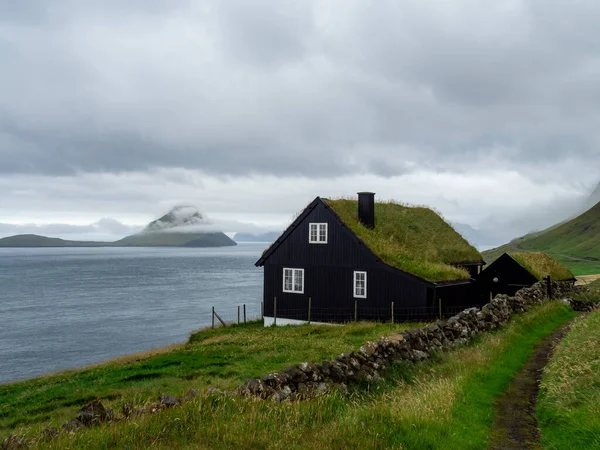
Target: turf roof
413 239
541 265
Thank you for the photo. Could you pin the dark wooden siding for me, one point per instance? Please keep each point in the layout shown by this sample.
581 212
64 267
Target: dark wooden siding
329 275
511 278
342 248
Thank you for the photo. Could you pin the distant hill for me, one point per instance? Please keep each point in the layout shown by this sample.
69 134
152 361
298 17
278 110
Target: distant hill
576 242
271 236
34 240
177 228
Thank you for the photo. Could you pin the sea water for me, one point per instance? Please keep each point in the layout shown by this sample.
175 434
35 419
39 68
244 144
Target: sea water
63 308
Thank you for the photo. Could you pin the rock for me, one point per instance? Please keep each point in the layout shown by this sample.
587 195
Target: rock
50 432
368 349
420 355
13 442
93 414
282 394
127 410
72 425
168 401
192 393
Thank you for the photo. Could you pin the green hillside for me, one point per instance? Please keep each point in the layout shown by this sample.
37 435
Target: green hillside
173 239
575 243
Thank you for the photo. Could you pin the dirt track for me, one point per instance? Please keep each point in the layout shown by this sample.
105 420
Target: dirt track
515 424
586 279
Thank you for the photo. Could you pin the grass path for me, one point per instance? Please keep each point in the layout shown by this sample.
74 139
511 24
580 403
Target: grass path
515 423
447 402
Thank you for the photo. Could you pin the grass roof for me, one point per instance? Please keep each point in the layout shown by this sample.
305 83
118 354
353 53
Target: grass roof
413 239
541 265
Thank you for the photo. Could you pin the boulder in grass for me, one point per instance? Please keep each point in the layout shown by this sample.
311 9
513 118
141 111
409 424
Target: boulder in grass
13 442
168 401
93 414
72 425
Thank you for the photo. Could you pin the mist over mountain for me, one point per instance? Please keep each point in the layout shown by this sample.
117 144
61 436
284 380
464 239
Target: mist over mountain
182 226
178 217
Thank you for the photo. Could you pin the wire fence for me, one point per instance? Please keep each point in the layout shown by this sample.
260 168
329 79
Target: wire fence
249 313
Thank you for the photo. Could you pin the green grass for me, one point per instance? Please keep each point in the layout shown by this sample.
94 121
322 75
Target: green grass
444 403
414 239
569 402
580 267
541 265
223 357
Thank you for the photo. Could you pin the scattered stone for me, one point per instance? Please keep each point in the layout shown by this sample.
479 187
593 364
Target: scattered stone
169 401
127 410
93 414
13 442
50 433
72 425
192 393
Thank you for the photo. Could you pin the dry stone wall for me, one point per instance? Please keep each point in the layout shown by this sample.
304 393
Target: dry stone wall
309 379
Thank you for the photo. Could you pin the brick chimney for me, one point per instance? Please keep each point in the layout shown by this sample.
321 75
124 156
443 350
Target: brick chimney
366 209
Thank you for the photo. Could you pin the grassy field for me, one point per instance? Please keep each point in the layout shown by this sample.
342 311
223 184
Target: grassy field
569 406
444 403
580 267
223 357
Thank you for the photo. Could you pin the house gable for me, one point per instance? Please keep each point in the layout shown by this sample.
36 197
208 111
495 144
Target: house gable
343 247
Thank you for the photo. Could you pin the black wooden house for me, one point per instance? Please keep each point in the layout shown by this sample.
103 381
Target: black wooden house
337 260
512 272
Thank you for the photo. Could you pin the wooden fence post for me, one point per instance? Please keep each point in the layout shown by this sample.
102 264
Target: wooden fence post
244 313
309 307
262 310
274 310
238 314
356 310
219 317
213 317
392 313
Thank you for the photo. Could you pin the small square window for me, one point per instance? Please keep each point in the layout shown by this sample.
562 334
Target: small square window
317 233
293 281
360 284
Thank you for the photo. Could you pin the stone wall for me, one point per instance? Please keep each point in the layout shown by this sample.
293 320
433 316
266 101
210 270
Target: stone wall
309 379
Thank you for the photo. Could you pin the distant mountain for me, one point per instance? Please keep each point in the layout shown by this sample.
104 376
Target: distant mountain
572 242
179 216
34 240
180 227
175 239
478 238
269 237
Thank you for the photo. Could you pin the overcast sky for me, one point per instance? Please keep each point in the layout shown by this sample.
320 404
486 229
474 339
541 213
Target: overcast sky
487 111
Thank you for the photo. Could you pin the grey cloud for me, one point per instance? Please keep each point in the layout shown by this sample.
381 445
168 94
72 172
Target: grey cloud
313 88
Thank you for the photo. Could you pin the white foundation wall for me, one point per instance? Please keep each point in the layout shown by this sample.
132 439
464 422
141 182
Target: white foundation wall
268 321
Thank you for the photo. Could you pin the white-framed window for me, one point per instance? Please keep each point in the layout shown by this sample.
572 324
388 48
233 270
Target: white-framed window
317 233
360 284
293 280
